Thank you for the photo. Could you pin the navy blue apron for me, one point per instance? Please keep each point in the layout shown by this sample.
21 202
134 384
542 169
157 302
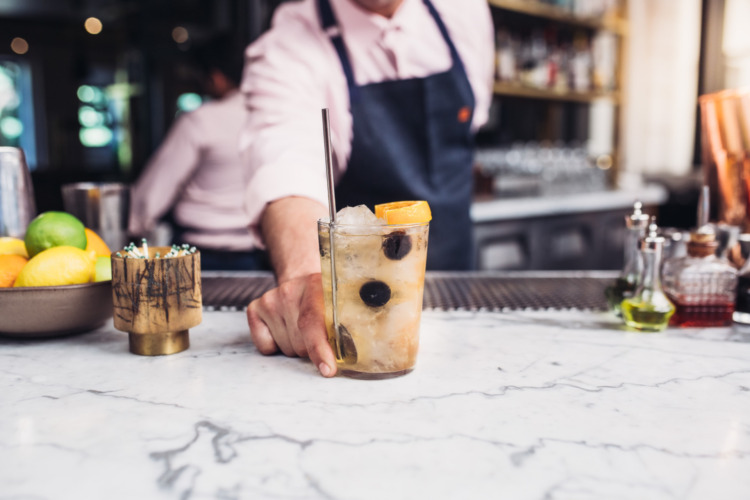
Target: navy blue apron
412 140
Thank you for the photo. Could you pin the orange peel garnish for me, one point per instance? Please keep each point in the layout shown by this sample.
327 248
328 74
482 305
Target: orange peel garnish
404 212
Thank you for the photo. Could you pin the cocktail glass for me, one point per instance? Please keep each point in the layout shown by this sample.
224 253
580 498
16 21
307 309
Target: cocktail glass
377 295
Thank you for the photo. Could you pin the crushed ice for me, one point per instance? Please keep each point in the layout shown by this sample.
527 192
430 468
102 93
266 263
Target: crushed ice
357 220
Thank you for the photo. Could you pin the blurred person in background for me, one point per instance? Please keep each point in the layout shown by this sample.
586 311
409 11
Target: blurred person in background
407 83
195 178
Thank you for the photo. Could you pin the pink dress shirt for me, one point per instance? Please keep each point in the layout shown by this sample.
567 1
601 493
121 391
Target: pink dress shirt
292 72
198 171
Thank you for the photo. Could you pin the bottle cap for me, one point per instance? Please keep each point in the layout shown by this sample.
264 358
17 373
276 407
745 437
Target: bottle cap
637 220
652 241
703 235
702 242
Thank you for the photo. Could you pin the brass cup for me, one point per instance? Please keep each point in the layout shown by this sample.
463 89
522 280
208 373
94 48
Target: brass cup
159 344
157 301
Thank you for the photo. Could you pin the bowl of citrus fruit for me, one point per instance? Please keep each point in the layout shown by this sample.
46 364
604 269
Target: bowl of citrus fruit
56 280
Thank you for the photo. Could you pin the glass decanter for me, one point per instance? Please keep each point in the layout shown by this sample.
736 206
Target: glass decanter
702 285
741 315
648 309
625 284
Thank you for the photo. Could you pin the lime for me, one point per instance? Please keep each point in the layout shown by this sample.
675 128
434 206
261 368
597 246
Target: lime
103 269
61 265
52 229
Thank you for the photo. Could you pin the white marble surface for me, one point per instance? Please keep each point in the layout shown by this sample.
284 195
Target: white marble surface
537 405
564 204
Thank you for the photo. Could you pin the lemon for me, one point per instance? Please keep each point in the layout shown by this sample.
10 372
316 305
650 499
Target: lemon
12 246
52 229
404 212
95 243
62 265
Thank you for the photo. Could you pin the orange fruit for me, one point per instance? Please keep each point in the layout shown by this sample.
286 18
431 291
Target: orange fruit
95 243
10 267
61 265
404 212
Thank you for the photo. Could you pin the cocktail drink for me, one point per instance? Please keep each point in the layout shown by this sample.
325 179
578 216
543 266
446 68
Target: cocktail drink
373 309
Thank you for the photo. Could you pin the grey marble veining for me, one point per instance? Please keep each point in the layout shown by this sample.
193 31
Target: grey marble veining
528 405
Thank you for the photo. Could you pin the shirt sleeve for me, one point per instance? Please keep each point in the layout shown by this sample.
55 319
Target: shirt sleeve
287 82
164 176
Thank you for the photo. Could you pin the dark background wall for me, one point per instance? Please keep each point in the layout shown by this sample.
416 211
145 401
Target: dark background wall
135 50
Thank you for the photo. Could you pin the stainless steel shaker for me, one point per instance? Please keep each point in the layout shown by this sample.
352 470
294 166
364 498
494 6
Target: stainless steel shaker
17 206
101 206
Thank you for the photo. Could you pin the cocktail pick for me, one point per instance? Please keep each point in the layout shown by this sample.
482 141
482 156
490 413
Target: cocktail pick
331 226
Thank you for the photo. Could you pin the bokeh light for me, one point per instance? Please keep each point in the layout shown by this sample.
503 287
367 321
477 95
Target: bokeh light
93 25
89 117
180 34
90 94
189 102
95 137
11 127
19 45
86 93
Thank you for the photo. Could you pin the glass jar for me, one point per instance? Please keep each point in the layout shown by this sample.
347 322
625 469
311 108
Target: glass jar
702 285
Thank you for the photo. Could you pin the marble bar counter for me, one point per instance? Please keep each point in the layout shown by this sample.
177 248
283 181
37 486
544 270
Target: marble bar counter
521 404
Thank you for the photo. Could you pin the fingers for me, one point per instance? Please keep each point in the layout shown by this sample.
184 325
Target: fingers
259 331
269 329
291 319
312 328
290 294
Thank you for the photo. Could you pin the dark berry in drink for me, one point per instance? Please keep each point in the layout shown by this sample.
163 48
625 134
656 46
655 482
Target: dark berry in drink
397 245
375 293
346 344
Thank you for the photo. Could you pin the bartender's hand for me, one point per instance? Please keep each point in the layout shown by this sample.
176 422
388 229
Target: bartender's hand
291 317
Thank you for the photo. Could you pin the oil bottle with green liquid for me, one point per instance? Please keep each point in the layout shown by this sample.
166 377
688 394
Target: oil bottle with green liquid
648 309
625 284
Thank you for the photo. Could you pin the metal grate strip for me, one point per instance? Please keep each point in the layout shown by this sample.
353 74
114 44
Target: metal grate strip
444 291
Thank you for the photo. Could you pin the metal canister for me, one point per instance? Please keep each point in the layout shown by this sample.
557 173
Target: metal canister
17 206
103 207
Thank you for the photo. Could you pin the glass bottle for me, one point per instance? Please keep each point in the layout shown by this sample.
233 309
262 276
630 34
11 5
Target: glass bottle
702 285
648 309
741 314
624 286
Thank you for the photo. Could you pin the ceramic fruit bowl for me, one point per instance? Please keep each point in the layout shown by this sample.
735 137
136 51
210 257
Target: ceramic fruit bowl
54 311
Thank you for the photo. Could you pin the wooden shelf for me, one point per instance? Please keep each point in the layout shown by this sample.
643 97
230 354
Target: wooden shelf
538 9
518 90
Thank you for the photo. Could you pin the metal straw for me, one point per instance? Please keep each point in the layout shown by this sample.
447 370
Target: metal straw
332 212
703 207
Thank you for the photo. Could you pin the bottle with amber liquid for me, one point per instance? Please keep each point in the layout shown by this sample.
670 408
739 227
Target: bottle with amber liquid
648 309
625 284
701 284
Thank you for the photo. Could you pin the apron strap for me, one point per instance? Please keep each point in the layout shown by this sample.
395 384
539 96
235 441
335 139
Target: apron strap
444 31
331 27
